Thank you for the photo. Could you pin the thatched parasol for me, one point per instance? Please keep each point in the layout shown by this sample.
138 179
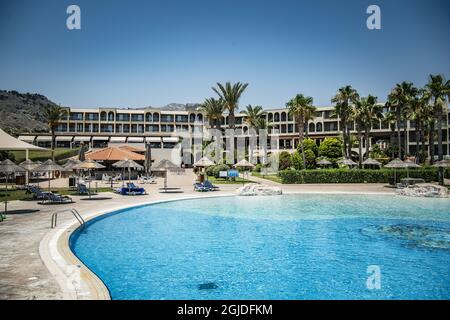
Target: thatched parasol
166 165
49 166
324 162
347 162
130 164
371 162
204 163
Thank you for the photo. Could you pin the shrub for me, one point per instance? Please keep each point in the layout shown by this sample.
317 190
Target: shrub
309 144
257 167
331 148
297 160
284 160
214 170
354 175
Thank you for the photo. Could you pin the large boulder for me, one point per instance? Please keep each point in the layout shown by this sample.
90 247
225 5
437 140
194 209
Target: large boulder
424 190
254 189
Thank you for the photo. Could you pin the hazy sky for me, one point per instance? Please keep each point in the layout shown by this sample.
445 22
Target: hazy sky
140 53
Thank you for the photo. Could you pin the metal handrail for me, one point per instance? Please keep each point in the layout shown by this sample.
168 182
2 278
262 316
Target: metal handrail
75 213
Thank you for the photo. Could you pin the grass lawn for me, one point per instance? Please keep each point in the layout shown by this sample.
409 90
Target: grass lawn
16 194
60 154
271 177
226 181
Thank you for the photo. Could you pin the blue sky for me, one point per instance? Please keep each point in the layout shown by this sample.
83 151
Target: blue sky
140 53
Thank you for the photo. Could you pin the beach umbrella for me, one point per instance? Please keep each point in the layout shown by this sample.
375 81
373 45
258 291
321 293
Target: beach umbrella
347 162
29 166
324 162
71 164
409 164
82 153
244 164
371 162
49 166
166 165
395 164
204 163
130 164
89 165
8 167
442 165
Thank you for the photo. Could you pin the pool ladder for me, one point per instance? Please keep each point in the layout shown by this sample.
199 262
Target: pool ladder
76 214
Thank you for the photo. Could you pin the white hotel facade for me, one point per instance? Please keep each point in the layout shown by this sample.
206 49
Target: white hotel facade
161 129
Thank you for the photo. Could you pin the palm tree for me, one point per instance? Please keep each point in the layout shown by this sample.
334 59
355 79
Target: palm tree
213 109
53 115
390 118
345 97
418 111
300 107
400 97
438 88
253 116
366 113
230 94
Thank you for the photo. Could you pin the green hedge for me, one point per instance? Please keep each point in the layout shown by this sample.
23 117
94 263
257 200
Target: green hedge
353 175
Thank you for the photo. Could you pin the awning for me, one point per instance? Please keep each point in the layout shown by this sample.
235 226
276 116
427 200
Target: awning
10 143
135 139
84 139
64 138
27 138
100 138
153 139
118 139
170 139
44 138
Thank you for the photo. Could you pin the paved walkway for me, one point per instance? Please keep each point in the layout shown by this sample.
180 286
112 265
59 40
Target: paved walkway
24 275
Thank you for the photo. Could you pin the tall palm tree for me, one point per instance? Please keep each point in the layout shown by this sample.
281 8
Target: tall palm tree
230 94
53 115
300 107
390 118
253 116
213 109
344 99
357 116
418 111
438 88
400 97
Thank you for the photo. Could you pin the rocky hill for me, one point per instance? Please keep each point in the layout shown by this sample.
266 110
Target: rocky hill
24 112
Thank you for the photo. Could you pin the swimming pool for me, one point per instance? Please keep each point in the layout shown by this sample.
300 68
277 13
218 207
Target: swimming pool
279 247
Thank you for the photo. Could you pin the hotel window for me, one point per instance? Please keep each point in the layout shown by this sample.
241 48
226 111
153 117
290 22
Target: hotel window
95 127
192 117
137 117
62 127
88 127
140 128
156 117
110 116
283 128
72 127
76 116
169 145
330 126
290 128
181 118
133 128
376 125
167 118
270 117
118 128
126 128
155 145
318 114
92 116
106 128
200 117
124 117
103 116
312 127
167 128
319 127
276 117
283 116
79 127
152 128
148 117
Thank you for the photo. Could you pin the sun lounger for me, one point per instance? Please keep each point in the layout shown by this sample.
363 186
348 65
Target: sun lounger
37 193
82 189
200 187
131 189
208 184
52 198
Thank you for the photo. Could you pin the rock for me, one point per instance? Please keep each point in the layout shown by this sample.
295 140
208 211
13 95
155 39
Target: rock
254 189
424 190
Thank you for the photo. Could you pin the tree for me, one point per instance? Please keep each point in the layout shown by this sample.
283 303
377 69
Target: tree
284 160
439 90
358 117
230 94
213 109
53 115
419 113
390 119
331 148
372 113
297 161
253 116
300 107
400 98
310 144
345 97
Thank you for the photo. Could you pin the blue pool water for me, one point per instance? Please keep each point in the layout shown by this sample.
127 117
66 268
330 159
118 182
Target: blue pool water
279 247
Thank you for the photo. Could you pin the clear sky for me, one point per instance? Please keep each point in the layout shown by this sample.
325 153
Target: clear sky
139 53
